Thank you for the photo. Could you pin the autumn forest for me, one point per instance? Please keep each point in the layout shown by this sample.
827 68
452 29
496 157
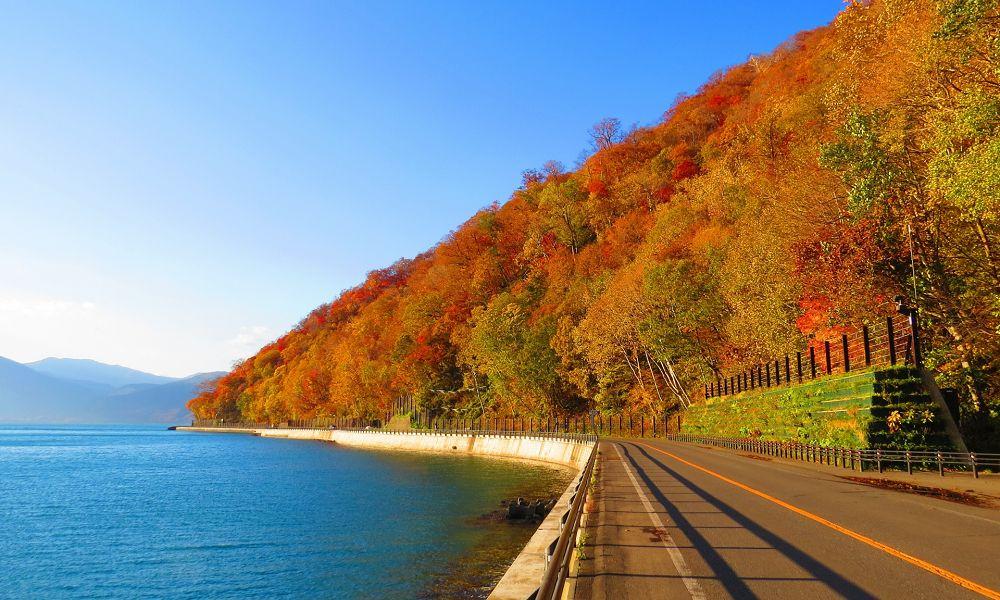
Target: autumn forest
791 196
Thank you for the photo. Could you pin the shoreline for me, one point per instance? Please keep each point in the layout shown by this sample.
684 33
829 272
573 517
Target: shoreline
524 574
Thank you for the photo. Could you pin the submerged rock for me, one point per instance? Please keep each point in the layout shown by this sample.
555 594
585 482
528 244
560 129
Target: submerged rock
522 510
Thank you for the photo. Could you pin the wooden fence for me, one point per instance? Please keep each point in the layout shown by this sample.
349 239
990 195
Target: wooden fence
894 341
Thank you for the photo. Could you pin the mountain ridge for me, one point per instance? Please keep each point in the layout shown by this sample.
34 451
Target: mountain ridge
28 394
85 369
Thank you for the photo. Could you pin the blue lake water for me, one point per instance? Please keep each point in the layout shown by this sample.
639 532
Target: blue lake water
139 512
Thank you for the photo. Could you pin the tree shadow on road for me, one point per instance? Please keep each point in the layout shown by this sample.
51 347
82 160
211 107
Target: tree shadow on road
733 584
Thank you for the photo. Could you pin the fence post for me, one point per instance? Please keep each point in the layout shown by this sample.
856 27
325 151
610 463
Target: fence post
918 359
892 341
767 370
868 346
788 370
798 361
847 356
826 349
777 373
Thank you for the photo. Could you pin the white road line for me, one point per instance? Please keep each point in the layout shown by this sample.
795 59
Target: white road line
692 585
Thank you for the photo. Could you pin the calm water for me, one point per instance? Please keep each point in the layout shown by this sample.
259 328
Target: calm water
138 512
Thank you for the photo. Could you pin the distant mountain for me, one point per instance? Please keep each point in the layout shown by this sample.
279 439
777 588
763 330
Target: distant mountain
27 395
85 370
154 403
85 391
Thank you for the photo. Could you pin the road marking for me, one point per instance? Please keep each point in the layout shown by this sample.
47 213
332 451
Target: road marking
932 568
692 585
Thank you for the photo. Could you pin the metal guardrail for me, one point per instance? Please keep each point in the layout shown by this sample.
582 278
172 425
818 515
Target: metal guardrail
851 458
559 553
620 424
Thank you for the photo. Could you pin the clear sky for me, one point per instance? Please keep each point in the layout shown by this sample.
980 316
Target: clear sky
181 182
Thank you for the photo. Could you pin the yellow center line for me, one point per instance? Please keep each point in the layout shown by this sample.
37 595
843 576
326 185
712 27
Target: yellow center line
923 564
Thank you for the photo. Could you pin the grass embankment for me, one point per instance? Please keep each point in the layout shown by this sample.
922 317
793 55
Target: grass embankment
886 408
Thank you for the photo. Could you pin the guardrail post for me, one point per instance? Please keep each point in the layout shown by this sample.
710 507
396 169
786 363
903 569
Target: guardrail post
909 467
975 467
940 463
878 459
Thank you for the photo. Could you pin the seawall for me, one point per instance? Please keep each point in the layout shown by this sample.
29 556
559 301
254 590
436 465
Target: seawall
525 573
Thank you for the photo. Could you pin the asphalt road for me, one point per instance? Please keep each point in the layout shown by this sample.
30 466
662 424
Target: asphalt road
677 520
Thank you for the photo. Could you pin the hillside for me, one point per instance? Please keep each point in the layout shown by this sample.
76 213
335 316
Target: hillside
779 201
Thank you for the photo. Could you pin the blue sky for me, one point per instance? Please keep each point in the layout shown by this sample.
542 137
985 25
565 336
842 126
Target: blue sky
181 182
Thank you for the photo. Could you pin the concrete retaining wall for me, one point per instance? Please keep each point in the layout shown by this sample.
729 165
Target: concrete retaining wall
551 450
525 573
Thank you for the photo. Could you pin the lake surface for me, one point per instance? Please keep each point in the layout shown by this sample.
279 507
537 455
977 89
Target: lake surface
139 512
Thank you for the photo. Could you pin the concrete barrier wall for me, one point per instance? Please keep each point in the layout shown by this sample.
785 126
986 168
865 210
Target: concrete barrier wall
551 450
